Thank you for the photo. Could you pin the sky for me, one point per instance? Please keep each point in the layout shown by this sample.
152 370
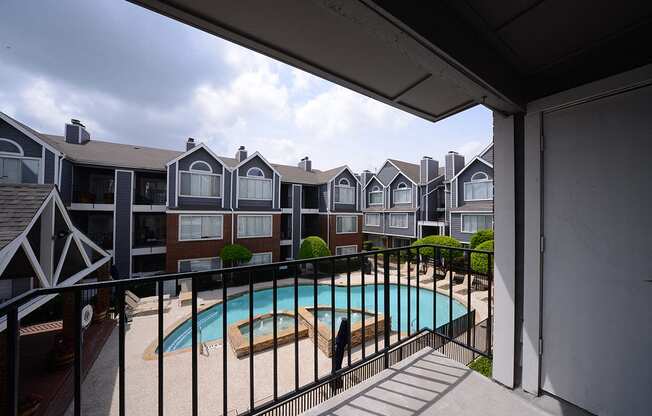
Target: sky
133 76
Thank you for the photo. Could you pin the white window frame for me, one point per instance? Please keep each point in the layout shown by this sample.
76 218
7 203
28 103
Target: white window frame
198 259
266 253
407 220
349 246
256 178
348 186
402 187
376 190
21 156
485 179
474 215
201 239
346 216
209 172
376 214
237 225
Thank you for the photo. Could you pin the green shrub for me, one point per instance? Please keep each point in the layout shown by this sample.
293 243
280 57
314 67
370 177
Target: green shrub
482 365
480 261
312 247
234 254
438 240
368 245
480 237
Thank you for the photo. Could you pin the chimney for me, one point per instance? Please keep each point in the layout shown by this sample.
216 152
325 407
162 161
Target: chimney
306 164
454 164
429 169
366 176
76 132
190 143
241 154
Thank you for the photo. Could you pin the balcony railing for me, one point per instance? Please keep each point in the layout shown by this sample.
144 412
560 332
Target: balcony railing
419 277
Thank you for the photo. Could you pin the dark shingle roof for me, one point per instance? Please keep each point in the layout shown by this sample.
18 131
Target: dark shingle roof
411 170
19 204
481 206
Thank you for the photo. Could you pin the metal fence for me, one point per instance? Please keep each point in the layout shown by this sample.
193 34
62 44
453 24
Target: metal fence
390 344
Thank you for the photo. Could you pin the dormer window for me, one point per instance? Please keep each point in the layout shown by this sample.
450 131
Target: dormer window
376 196
199 181
402 194
480 188
255 185
344 192
14 166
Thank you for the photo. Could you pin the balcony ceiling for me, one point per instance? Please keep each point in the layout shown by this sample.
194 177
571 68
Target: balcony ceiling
436 58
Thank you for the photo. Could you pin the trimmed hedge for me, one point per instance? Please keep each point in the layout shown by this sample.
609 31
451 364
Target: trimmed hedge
438 240
480 237
312 247
479 261
234 254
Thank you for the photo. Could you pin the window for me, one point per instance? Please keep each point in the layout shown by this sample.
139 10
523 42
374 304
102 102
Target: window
376 196
403 194
346 224
254 226
200 265
342 250
398 220
200 227
372 220
255 186
260 258
344 192
15 168
481 188
475 223
199 181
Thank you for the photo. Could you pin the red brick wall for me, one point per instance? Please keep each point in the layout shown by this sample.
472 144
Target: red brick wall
179 250
344 239
263 245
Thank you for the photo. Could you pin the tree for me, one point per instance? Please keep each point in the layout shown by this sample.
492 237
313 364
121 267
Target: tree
480 237
312 247
436 240
235 254
480 261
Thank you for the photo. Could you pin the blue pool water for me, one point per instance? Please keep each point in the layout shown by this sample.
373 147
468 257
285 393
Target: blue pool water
210 320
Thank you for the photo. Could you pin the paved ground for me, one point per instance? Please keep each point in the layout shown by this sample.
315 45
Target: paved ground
100 388
427 383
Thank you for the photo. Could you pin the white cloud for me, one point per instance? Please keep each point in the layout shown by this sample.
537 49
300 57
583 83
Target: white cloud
471 149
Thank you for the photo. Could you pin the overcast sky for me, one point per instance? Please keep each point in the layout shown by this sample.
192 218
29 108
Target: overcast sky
134 76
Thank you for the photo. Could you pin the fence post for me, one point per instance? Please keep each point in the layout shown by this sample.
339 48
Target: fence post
386 310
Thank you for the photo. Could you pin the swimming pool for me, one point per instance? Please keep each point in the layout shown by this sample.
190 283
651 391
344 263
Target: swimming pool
209 321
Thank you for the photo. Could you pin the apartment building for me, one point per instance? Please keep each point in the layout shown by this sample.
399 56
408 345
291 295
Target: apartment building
159 210
405 201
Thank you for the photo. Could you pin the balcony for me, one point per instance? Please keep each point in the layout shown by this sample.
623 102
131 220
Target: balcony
98 226
93 186
310 197
387 345
150 189
310 225
149 230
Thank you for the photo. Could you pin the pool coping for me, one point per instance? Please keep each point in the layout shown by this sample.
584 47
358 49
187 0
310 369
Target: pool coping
151 354
241 346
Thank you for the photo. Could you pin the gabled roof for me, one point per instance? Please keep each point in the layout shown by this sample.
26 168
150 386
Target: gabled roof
20 203
28 131
479 159
193 150
410 170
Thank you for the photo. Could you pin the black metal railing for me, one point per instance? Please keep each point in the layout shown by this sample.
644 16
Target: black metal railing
415 272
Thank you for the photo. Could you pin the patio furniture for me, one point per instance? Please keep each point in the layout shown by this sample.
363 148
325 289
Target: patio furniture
458 278
134 306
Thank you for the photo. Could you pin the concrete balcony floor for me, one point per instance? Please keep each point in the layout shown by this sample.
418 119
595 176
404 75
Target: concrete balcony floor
427 383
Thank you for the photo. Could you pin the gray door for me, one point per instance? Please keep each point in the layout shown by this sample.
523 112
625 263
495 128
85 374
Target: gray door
597 222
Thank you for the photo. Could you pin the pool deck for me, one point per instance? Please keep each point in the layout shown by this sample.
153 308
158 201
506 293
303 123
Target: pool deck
100 388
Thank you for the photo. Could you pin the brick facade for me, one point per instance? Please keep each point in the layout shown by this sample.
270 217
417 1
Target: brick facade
343 239
180 250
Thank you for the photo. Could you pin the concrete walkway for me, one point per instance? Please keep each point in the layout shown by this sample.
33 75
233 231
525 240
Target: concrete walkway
427 383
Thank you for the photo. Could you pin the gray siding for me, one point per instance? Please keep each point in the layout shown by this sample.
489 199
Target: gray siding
66 181
456 229
387 173
172 185
227 192
372 229
323 198
184 164
335 191
367 190
474 167
123 223
488 155
30 147
48 167
394 185
406 232
296 219
243 204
